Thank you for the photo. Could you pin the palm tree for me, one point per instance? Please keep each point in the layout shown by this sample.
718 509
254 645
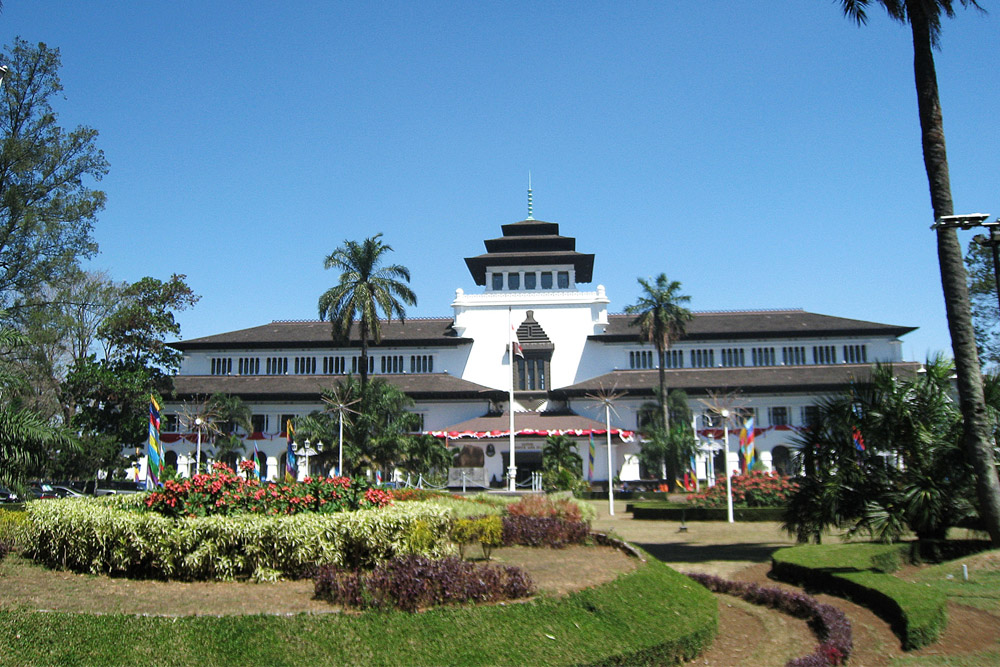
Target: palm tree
365 288
924 18
661 320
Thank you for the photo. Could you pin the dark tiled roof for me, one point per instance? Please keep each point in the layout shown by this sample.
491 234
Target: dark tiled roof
757 324
422 332
777 379
531 242
308 387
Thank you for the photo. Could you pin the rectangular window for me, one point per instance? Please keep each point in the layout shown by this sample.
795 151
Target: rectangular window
168 423
221 366
763 356
702 358
793 356
563 279
778 416
258 423
675 359
856 354
529 280
732 357
497 281
284 424
547 280
421 363
810 415
276 366
824 354
640 359
513 281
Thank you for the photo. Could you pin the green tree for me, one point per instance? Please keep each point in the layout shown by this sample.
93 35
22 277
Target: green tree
232 413
366 288
562 467
983 297
376 435
424 454
667 450
924 19
661 319
27 440
884 458
47 210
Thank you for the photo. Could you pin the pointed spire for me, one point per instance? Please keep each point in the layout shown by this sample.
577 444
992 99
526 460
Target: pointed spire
530 216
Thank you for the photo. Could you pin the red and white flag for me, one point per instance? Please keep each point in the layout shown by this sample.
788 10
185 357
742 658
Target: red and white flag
515 343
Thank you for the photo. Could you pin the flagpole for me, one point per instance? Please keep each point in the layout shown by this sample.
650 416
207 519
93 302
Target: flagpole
512 469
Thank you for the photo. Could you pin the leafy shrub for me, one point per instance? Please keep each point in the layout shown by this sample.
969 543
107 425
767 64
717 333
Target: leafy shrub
539 531
830 624
223 492
12 525
756 489
88 535
411 582
540 505
405 495
486 530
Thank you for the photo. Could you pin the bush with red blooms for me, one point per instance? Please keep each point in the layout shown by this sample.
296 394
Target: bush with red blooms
540 505
756 489
223 492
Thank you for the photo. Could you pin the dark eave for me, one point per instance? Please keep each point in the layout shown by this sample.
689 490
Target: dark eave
583 264
430 386
699 381
311 334
753 325
527 421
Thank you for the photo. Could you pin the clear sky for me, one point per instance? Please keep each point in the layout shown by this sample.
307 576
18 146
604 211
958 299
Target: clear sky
766 155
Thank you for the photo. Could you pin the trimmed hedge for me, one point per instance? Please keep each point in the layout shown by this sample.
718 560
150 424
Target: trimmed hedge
87 535
916 613
672 512
651 616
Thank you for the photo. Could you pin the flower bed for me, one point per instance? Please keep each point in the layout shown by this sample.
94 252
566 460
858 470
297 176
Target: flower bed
756 489
831 624
413 582
223 493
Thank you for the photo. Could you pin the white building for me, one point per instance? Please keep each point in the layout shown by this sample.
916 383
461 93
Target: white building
457 369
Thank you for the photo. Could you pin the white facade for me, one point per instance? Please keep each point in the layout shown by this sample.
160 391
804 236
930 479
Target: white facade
459 373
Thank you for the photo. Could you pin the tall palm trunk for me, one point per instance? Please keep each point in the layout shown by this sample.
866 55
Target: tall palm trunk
671 463
364 354
976 428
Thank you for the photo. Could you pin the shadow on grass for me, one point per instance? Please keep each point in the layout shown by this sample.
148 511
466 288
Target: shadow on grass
759 552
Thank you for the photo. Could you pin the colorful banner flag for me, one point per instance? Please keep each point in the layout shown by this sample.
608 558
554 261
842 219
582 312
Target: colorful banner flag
154 450
593 452
291 461
378 477
256 462
859 442
747 453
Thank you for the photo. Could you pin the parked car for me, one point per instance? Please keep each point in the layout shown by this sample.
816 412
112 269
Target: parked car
7 496
41 491
66 492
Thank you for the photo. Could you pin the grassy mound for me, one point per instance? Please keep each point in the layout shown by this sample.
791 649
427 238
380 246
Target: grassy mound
651 616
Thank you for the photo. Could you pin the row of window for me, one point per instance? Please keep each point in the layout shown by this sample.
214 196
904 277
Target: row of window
173 423
531 280
398 363
776 416
759 356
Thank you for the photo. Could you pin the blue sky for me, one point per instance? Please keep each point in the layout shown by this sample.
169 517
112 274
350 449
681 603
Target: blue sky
766 155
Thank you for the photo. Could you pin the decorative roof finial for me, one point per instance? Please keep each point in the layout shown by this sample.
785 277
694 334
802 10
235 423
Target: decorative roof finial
530 217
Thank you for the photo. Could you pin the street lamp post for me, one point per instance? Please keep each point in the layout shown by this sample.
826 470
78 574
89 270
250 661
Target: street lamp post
729 468
197 461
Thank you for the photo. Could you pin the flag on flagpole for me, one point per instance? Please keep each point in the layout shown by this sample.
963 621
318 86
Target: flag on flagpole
256 462
291 461
515 343
593 452
751 448
378 477
154 450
